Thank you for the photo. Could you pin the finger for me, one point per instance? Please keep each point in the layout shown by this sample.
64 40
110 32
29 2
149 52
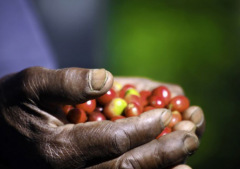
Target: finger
166 151
147 84
195 114
65 86
184 125
101 141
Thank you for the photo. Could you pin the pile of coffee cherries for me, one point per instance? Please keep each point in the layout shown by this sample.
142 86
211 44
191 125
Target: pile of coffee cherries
125 101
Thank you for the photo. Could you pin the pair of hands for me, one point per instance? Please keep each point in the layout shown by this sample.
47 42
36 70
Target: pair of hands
34 135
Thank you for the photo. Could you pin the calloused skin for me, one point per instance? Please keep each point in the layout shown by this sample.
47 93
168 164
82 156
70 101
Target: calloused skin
35 135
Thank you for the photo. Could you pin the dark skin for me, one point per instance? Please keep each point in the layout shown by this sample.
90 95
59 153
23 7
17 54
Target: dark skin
34 134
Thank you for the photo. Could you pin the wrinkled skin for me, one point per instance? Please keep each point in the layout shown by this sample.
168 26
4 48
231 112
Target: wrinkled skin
35 134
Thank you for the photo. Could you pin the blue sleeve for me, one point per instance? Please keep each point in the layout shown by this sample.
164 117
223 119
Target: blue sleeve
22 42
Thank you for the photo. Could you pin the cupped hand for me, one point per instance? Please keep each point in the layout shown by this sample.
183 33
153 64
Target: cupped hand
193 114
32 135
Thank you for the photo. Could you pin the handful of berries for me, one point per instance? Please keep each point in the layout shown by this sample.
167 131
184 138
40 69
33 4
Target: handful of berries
125 101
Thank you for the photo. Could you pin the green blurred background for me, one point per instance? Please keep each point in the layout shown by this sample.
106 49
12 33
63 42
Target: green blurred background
191 43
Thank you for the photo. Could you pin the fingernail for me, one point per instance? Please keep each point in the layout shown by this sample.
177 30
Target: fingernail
197 116
194 114
191 143
98 78
184 125
166 117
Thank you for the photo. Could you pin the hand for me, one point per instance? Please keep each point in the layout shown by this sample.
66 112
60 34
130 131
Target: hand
32 136
193 113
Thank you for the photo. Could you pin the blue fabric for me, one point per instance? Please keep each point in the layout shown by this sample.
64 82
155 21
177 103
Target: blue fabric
22 42
76 29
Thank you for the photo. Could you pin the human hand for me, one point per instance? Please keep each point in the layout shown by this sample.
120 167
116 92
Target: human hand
32 136
193 113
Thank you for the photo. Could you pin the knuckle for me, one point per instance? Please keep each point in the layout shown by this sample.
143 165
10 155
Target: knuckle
26 75
129 163
121 141
162 157
28 81
71 79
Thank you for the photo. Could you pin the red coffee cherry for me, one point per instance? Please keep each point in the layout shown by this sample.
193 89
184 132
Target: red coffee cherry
107 97
76 115
144 96
96 116
134 99
163 92
88 106
67 108
147 108
176 117
156 102
117 117
179 103
98 109
164 132
132 109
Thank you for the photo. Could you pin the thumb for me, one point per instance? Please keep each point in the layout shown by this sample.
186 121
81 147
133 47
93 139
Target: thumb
62 86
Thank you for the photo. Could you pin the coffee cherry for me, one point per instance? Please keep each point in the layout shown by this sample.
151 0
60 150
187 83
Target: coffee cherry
132 91
117 117
88 106
107 97
117 86
163 92
122 92
67 108
145 93
156 101
144 96
164 132
176 117
96 116
98 109
132 109
134 99
179 103
114 108
147 108
76 115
